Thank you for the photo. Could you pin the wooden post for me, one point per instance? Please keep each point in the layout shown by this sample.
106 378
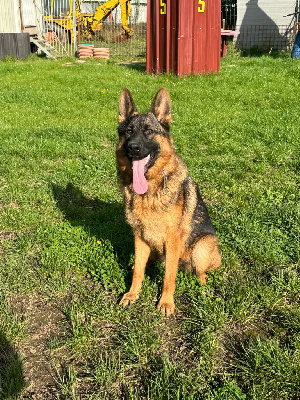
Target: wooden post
21 16
74 27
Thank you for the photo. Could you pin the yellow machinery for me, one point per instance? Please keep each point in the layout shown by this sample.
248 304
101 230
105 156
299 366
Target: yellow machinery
89 23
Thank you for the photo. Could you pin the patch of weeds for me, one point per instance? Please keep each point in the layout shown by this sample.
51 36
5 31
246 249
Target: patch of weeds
166 380
10 322
268 371
66 382
69 249
228 391
138 340
205 315
187 283
108 375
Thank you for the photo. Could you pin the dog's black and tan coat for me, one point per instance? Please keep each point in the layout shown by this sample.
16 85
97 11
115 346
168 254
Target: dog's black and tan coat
163 204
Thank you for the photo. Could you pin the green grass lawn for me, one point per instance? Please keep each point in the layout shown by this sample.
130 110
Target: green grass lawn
66 251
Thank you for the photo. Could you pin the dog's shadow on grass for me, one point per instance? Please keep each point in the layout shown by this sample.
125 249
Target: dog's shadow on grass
11 370
103 220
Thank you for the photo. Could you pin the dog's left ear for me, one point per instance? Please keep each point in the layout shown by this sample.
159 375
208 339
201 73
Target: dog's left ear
126 105
161 106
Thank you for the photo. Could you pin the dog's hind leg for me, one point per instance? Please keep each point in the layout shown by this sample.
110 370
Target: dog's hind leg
205 256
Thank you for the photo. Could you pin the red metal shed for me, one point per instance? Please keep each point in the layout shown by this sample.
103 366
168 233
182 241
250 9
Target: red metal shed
183 36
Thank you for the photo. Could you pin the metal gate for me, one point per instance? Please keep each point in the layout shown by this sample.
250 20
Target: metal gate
60 26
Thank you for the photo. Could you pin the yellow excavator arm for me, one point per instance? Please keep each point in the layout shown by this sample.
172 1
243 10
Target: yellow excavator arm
105 9
125 6
91 22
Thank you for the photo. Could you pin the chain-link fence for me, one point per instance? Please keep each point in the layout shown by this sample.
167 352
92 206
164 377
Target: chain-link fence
111 36
265 38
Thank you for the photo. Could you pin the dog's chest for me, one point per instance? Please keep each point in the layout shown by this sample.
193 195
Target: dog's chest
152 219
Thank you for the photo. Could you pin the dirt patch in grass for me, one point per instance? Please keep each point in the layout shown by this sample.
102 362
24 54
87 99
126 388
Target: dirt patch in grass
42 320
7 235
173 342
4 236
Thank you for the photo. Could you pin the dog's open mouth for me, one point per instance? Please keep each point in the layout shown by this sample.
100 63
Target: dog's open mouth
149 161
139 169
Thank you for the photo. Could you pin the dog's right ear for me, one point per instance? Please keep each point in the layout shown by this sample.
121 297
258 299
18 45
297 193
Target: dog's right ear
126 105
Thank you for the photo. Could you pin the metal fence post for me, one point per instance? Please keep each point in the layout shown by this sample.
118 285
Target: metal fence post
74 26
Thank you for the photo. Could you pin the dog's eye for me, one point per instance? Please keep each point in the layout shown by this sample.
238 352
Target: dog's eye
129 132
148 132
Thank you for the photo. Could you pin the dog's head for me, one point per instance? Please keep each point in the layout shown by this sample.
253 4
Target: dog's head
145 138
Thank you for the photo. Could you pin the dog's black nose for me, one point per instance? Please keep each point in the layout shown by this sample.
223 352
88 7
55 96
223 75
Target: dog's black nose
134 148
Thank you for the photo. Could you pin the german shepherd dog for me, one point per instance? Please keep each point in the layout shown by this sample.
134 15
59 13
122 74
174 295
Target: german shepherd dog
163 204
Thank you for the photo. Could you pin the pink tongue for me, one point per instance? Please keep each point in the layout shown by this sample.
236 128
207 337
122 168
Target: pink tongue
140 184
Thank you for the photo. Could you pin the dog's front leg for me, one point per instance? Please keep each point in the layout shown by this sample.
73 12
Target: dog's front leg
166 303
142 252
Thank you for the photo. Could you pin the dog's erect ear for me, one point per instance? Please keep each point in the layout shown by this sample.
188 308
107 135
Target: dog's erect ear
161 106
126 105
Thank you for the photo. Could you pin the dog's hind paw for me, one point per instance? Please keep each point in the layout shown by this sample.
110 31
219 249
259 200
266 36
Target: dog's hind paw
128 299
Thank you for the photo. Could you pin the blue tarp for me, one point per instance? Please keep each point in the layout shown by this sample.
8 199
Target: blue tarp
296 48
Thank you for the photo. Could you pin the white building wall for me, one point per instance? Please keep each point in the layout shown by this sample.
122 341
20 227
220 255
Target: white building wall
262 23
28 13
32 15
10 21
10 18
256 11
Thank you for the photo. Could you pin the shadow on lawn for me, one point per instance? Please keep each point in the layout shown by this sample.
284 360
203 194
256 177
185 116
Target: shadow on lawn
11 371
99 218
138 66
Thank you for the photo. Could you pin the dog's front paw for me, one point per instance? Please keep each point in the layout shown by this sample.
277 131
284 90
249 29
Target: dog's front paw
166 308
128 299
